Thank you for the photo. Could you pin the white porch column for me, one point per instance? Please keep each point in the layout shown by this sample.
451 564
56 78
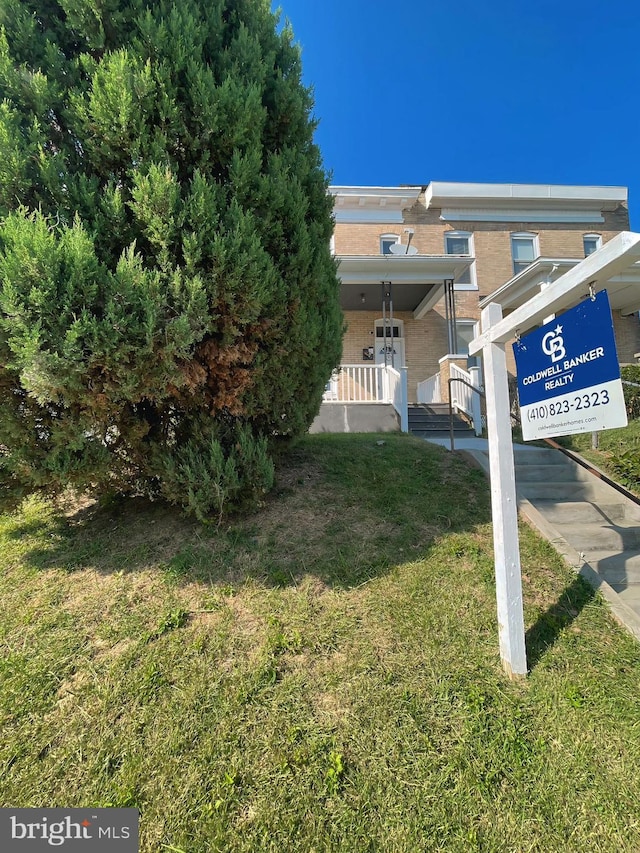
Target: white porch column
503 503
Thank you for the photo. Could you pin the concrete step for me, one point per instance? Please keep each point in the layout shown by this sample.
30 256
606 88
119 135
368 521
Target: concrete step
559 472
595 526
601 537
563 491
432 419
441 425
620 569
431 408
527 455
421 418
581 512
439 437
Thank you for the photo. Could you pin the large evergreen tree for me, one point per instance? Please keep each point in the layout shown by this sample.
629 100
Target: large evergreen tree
169 305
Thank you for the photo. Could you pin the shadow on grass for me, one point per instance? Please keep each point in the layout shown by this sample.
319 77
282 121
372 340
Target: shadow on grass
345 512
140 535
548 627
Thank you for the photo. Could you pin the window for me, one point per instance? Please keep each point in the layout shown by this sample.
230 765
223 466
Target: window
461 243
465 333
386 242
524 251
591 243
392 331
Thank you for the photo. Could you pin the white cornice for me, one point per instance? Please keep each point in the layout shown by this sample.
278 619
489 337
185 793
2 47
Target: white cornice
373 204
523 200
439 194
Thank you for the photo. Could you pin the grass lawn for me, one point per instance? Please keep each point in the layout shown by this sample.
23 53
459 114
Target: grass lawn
612 444
321 676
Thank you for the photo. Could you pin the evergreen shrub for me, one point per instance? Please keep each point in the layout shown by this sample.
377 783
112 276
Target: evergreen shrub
168 302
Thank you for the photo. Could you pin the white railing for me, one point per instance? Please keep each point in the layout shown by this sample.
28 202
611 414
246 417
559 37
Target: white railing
461 395
370 383
429 390
358 383
464 398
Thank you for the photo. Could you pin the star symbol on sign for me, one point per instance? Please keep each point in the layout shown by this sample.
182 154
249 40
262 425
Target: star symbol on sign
558 329
85 822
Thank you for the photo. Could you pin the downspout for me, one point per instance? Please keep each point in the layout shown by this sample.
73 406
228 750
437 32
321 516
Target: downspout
410 232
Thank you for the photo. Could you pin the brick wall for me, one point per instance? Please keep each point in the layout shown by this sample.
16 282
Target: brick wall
426 340
492 240
627 332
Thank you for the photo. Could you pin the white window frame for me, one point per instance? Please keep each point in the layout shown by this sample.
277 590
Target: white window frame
535 242
472 284
388 238
468 322
597 238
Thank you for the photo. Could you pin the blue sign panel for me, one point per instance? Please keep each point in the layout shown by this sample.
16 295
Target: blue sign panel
569 375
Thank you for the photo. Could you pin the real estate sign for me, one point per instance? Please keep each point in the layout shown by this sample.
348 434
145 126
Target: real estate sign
568 373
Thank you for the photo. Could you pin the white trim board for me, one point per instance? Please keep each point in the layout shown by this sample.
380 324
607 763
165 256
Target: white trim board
461 214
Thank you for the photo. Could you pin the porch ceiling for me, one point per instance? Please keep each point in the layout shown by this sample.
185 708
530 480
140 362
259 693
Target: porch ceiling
417 280
368 297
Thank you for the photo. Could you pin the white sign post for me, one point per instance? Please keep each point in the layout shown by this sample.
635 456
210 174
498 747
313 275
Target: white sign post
504 508
611 260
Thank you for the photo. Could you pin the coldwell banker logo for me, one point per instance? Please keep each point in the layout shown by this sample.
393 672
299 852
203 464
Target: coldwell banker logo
75 830
553 344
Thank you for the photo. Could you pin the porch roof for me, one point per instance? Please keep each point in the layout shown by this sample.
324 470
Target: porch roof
623 288
418 280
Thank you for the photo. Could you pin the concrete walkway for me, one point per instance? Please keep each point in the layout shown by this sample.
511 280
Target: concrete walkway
592 525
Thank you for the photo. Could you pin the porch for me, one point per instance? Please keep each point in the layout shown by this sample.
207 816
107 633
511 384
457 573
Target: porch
402 324
374 398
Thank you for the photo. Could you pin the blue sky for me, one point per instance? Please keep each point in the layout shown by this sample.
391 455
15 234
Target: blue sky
492 90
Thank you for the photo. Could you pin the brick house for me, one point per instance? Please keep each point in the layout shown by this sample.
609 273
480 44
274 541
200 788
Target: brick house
417 264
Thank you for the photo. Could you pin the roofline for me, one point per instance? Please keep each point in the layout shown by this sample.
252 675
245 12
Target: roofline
377 190
443 193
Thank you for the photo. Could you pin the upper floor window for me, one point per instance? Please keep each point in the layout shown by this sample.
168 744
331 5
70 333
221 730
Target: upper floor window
386 242
524 251
591 243
461 243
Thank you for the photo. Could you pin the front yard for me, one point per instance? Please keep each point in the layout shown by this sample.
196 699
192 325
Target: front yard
321 676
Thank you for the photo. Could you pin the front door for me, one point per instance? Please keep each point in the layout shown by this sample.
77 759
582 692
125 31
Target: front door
394 355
